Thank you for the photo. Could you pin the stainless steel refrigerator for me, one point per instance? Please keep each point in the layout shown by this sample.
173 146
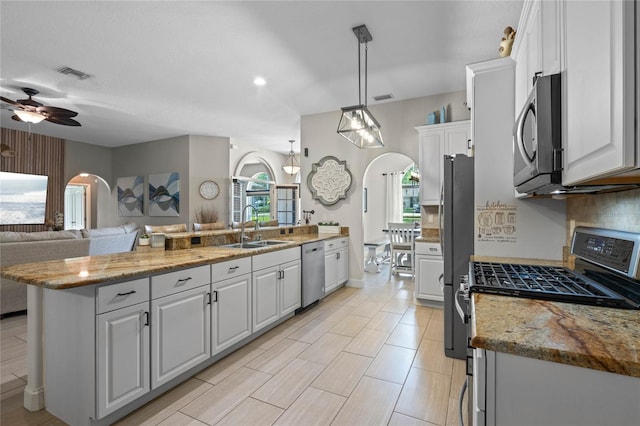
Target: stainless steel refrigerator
457 228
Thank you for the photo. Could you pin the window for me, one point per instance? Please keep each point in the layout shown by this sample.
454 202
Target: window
411 195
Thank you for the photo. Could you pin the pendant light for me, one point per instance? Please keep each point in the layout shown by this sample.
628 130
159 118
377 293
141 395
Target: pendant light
291 166
357 124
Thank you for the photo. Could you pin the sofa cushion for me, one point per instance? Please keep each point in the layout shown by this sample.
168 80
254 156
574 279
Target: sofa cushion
9 236
208 226
101 232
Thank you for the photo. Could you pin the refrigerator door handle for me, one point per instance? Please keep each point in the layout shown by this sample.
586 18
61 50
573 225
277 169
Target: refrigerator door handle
456 300
441 282
440 208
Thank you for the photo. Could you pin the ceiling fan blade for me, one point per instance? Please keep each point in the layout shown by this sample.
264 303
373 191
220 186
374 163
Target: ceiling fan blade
55 111
9 101
16 118
29 102
65 121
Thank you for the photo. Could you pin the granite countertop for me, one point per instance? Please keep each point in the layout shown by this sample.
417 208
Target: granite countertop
81 271
593 337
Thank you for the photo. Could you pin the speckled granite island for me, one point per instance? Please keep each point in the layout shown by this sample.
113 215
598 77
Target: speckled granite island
118 330
544 362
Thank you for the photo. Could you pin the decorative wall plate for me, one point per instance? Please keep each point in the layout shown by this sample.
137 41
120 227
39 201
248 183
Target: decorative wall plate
329 180
209 190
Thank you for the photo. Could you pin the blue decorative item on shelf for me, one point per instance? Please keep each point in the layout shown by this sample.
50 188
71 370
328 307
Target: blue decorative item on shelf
443 115
431 118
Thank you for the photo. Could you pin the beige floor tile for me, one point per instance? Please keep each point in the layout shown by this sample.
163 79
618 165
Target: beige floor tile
252 412
314 407
398 419
217 402
168 403
368 342
425 396
371 403
277 357
397 306
13 347
336 315
326 348
406 336
343 374
356 300
311 331
458 377
179 419
417 315
283 388
305 317
391 364
406 294
435 328
384 321
368 309
274 336
349 326
431 357
9 381
13 412
228 365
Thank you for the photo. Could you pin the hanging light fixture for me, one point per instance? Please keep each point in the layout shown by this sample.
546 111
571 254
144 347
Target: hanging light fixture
357 124
291 166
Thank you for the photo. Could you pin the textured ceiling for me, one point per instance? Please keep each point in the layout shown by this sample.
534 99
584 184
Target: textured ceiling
166 68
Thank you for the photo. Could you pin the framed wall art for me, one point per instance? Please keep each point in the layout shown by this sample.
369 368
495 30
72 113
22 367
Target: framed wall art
131 196
164 194
329 180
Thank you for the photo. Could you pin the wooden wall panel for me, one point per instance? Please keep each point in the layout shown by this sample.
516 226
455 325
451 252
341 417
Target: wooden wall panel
38 155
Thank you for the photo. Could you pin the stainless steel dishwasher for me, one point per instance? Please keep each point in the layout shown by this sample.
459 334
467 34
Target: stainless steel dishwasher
312 272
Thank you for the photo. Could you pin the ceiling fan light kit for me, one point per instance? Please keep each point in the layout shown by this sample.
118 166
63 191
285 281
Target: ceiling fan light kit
291 166
357 124
31 111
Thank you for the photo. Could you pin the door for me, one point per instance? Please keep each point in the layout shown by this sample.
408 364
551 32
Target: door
122 346
265 297
343 265
231 318
75 206
330 270
290 298
181 333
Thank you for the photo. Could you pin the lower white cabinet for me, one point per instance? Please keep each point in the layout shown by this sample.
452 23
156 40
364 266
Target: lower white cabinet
122 356
336 263
181 333
276 286
429 272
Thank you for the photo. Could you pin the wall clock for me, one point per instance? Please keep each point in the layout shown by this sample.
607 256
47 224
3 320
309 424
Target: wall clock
209 190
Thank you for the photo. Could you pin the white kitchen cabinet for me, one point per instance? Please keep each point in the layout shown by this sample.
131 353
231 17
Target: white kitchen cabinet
598 90
181 322
336 263
122 356
537 47
429 272
515 390
434 142
276 286
231 305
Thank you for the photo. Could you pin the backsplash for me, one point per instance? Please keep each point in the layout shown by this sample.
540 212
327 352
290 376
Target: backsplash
616 210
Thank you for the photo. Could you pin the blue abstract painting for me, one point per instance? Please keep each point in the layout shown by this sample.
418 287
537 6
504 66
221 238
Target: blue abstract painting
131 196
164 194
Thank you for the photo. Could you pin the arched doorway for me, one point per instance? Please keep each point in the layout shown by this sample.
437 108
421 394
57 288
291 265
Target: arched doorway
85 196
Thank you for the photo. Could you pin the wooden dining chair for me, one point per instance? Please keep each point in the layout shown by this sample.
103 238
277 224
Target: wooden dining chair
401 244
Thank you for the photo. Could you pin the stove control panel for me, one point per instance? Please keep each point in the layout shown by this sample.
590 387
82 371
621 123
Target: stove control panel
615 250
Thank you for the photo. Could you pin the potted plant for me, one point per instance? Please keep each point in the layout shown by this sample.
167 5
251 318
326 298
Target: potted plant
143 240
328 227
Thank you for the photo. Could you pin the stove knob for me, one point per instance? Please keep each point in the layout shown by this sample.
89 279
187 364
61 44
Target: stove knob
464 286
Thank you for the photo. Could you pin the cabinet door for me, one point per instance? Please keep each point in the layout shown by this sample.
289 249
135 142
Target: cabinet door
598 112
231 312
181 333
456 140
122 346
430 166
429 278
265 297
290 296
330 271
343 265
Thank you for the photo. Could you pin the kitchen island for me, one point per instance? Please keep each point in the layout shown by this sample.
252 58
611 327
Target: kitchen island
74 303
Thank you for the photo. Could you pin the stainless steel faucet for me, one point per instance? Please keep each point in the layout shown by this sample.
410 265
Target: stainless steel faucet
244 210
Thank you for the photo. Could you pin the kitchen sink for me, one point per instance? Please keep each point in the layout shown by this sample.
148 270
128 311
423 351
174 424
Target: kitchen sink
255 244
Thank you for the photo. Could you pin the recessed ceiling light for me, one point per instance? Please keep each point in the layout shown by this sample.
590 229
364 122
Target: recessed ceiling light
259 81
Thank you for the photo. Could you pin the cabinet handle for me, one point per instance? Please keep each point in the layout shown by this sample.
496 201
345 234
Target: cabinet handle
127 293
216 295
233 269
183 280
337 255
146 319
282 277
208 298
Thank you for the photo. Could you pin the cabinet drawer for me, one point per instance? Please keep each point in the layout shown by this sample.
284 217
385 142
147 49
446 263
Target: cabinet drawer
335 244
115 296
231 268
266 260
175 282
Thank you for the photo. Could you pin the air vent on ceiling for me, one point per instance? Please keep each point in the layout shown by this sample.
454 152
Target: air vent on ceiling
70 71
383 97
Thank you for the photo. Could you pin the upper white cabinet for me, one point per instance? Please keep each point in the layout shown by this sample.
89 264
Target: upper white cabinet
598 90
537 49
434 142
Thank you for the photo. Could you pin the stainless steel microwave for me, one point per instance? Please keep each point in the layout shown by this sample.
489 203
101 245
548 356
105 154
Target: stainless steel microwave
537 139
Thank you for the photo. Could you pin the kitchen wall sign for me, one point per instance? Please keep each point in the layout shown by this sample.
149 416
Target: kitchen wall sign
496 222
329 180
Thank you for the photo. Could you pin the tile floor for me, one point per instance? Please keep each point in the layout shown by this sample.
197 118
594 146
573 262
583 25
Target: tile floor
362 356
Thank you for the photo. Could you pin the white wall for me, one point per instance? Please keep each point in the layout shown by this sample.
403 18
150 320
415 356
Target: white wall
398 119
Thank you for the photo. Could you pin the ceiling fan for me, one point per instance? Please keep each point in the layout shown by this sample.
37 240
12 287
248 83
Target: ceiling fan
31 111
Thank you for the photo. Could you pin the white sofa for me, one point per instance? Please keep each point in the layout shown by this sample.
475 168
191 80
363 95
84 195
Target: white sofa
27 247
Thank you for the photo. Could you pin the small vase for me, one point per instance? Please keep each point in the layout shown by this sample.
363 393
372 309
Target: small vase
143 241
